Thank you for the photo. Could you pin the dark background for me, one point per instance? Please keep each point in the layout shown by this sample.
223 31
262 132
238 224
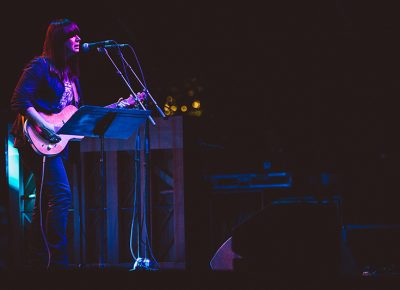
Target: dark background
311 86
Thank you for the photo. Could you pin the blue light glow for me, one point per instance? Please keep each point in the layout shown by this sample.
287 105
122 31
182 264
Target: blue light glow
13 167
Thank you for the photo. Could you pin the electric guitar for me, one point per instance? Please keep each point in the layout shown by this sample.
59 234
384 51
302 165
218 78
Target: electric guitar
43 146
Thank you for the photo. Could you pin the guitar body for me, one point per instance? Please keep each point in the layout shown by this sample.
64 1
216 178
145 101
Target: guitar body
43 147
40 144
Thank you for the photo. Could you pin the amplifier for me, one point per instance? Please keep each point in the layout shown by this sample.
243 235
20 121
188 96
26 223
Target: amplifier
249 181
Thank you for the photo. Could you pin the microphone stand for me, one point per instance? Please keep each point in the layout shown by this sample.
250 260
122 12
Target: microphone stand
140 263
143 86
104 50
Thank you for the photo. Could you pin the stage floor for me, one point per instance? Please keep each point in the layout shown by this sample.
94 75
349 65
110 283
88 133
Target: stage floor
117 278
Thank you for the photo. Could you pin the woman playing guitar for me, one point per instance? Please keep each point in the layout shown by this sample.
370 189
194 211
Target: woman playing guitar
48 90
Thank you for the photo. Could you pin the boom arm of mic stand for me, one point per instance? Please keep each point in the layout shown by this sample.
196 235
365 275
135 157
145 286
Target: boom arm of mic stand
102 49
143 86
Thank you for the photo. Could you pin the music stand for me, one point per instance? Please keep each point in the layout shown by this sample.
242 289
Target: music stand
100 122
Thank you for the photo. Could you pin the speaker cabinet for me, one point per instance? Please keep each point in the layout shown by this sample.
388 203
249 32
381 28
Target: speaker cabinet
292 238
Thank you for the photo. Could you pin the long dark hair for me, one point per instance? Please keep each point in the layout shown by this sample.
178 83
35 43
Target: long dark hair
54 50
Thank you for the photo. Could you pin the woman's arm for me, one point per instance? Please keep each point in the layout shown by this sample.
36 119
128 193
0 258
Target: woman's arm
24 94
46 128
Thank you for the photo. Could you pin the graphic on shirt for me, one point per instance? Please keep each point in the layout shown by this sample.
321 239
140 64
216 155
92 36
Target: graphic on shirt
67 96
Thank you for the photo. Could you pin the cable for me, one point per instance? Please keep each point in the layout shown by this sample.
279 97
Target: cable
140 67
135 200
123 65
146 199
133 217
41 215
140 263
150 250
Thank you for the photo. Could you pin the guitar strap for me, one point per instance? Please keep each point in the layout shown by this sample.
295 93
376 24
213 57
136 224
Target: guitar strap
76 97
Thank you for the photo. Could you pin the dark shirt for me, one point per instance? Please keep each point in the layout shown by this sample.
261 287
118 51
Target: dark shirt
40 87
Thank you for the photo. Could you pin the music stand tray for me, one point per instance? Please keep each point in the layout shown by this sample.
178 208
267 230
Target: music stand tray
94 121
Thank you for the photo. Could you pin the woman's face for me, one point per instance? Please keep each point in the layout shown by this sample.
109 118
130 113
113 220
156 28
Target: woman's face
72 44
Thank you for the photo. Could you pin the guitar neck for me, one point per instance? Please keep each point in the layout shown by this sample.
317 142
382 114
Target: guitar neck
112 106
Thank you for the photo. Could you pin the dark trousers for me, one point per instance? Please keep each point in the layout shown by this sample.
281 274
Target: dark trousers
55 203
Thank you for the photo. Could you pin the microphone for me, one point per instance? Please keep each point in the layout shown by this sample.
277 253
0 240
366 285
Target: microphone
103 48
106 43
115 45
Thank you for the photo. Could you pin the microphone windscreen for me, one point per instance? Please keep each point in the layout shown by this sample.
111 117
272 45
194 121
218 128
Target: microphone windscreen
85 47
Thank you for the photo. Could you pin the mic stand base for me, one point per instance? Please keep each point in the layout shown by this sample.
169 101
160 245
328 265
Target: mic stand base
143 264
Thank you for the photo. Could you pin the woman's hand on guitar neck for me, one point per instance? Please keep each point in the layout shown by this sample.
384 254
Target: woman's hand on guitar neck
122 103
131 101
